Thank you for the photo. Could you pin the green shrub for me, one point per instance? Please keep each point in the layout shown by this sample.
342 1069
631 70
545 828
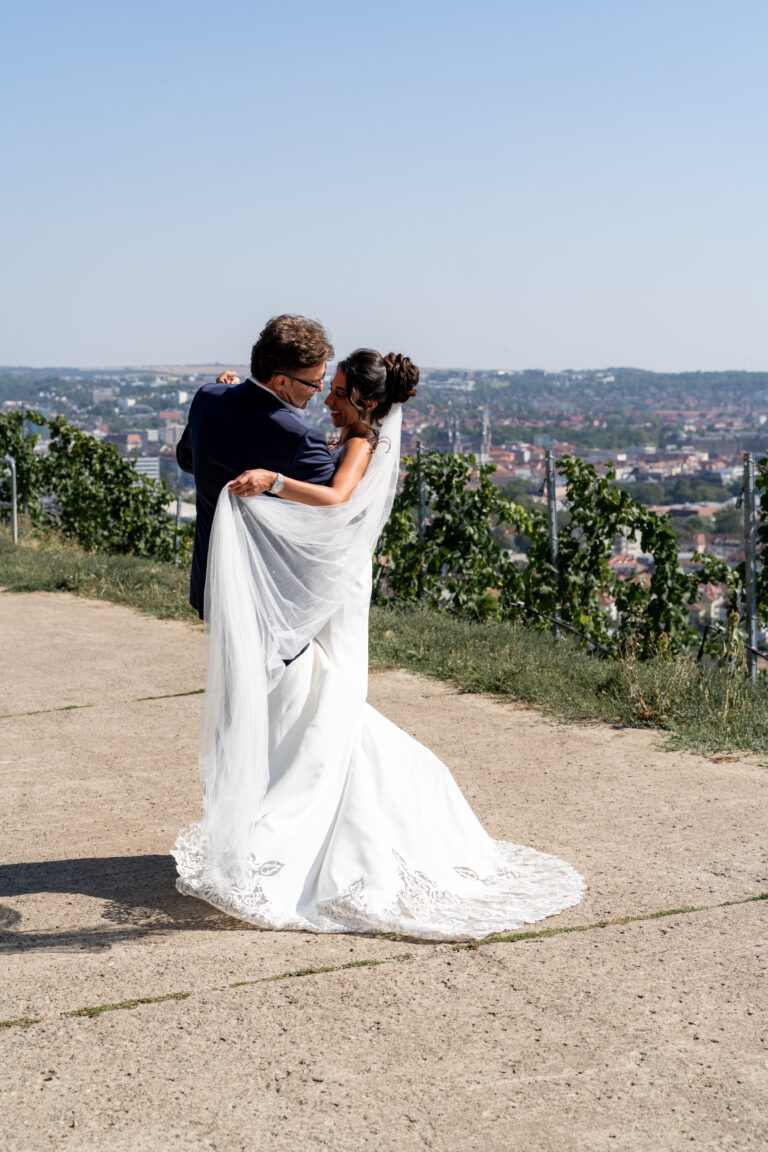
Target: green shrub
86 490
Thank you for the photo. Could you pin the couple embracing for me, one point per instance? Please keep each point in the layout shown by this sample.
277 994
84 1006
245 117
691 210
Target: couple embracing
318 813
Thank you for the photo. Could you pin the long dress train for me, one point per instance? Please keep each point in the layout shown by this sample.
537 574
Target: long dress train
319 814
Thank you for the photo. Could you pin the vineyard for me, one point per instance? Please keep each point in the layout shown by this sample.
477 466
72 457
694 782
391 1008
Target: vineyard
85 489
441 549
444 547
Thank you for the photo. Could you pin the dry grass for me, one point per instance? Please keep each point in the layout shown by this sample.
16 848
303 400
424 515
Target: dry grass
708 710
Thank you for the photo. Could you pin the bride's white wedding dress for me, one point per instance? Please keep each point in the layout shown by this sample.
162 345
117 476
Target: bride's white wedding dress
318 813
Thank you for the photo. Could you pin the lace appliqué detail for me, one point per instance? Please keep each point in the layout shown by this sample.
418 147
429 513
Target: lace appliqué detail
527 886
242 896
349 911
470 874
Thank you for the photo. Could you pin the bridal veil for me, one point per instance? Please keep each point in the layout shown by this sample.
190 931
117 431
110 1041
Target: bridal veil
278 572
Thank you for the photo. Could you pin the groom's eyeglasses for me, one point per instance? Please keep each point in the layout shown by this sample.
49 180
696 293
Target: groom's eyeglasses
316 384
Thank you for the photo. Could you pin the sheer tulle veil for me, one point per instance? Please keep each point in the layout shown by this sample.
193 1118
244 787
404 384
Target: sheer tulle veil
278 572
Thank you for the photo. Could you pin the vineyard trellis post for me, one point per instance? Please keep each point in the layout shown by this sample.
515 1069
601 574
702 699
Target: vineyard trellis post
550 485
9 460
750 563
176 531
422 512
422 493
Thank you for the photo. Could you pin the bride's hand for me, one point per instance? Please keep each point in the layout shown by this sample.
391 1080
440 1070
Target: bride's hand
228 377
252 482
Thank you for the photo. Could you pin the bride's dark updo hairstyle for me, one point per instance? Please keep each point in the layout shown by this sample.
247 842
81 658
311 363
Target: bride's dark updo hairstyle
386 380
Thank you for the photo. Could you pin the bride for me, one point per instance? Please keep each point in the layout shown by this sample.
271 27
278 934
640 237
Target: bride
318 813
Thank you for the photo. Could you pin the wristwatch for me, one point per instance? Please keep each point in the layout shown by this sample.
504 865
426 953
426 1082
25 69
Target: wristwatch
278 483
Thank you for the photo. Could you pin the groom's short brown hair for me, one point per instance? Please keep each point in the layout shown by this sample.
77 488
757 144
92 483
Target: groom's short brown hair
287 344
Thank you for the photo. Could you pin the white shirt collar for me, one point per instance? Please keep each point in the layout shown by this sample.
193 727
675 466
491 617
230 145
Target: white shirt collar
291 407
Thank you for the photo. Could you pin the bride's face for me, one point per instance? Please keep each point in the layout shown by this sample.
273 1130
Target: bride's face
343 412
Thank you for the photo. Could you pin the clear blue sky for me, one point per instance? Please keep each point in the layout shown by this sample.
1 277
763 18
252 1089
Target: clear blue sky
506 183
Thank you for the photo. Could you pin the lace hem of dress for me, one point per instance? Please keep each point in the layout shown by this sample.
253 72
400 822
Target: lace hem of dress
527 886
241 896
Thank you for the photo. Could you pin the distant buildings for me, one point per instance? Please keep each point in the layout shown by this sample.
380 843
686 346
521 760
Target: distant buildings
148 466
172 433
128 441
101 395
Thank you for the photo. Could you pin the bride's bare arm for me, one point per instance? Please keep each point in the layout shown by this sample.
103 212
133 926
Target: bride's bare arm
346 478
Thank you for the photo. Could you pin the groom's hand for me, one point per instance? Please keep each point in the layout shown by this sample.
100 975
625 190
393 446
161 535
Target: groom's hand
252 482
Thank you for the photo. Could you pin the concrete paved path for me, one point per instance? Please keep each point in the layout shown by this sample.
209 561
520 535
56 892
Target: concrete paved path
645 1033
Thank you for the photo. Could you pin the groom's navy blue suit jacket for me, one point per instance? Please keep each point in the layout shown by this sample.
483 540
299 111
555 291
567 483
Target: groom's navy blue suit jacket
232 428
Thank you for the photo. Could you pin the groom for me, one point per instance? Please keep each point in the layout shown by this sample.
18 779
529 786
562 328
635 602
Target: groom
256 424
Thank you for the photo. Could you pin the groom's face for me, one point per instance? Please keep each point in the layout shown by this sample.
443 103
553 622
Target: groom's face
299 389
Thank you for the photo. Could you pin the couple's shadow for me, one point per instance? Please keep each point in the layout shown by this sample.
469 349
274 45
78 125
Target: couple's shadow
138 894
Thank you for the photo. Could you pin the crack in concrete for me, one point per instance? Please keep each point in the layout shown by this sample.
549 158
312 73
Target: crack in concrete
90 1012
75 707
169 695
45 711
516 937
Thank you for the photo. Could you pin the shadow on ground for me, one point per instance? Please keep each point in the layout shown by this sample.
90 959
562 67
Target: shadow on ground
138 893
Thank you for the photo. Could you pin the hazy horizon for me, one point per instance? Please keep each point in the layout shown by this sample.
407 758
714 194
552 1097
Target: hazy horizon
223 364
